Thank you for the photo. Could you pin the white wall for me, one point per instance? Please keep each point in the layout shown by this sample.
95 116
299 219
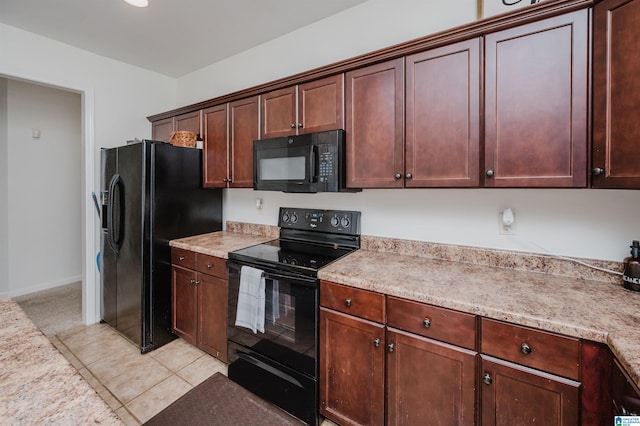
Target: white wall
4 174
44 187
597 224
116 98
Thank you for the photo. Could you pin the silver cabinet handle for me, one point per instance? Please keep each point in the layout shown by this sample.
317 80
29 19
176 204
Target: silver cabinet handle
397 176
408 176
391 347
426 323
597 171
487 378
490 173
376 342
525 349
209 266
293 125
300 125
181 258
347 302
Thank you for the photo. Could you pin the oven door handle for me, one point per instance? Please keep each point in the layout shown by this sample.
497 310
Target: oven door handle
309 281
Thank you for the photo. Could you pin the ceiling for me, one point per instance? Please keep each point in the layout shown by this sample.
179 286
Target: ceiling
171 37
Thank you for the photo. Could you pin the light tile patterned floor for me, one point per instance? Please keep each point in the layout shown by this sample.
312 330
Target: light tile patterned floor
136 386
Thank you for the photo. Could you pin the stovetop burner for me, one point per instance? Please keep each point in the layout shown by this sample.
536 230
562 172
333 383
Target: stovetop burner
309 240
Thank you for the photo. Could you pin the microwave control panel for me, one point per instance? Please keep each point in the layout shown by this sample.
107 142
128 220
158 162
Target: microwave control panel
327 162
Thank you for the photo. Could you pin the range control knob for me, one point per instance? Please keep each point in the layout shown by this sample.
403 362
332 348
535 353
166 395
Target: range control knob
335 221
345 222
294 217
285 217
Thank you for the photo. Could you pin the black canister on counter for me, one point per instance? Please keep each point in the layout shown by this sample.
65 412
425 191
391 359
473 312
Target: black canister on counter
631 274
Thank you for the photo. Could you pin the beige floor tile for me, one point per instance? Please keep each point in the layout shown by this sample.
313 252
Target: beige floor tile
78 336
108 397
201 369
177 354
126 417
134 382
157 398
107 345
117 363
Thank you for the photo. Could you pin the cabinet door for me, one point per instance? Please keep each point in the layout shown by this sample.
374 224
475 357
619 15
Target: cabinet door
429 382
189 122
374 117
321 105
279 113
536 94
185 319
443 117
351 369
516 395
216 139
212 316
161 129
244 129
616 85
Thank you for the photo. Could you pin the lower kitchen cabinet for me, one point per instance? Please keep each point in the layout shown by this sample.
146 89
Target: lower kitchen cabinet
429 382
516 395
351 369
199 301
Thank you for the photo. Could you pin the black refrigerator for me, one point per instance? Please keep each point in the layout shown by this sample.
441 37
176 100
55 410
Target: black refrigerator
151 193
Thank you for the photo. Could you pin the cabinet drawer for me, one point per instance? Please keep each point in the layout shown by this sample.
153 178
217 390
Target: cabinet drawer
211 265
354 301
184 258
534 348
457 328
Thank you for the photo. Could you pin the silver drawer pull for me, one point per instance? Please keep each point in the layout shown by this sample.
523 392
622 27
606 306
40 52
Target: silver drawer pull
376 342
525 349
181 258
209 266
426 323
347 302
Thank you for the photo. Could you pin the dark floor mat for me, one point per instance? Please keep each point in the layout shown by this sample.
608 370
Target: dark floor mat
220 402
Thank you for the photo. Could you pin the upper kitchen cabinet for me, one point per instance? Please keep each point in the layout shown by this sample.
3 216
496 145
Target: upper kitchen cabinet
215 162
536 103
616 99
443 117
189 122
374 124
315 106
161 129
229 132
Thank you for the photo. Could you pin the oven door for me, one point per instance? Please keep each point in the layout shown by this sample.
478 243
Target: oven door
290 322
285 164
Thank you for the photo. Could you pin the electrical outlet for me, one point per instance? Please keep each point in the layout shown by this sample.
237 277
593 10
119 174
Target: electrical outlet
506 229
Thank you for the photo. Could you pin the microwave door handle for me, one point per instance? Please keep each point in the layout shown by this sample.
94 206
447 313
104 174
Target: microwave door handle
313 163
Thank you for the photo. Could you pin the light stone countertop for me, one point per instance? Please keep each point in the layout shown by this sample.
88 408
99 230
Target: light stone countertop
595 310
220 243
39 386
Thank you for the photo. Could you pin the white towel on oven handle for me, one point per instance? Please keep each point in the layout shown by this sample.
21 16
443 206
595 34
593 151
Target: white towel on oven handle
251 299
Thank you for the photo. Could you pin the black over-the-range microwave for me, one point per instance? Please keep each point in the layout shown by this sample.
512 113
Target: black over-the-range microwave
314 162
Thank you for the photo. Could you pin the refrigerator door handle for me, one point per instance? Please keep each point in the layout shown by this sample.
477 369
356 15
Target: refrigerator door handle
115 243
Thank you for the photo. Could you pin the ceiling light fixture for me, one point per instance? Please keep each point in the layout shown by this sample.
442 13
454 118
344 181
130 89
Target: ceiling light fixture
138 3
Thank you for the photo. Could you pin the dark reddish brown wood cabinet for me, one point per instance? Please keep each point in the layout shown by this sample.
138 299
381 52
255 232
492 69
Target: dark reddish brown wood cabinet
352 355
616 94
309 107
199 300
190 122
374 124
161 129
528 376
229 131
431 365
442 121
536 103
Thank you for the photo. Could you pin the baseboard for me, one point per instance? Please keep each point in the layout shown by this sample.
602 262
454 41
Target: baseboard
42 286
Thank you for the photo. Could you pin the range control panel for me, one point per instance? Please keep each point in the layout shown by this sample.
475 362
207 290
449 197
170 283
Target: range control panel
333 221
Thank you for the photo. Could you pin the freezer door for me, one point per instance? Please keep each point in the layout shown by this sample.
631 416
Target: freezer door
108 268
